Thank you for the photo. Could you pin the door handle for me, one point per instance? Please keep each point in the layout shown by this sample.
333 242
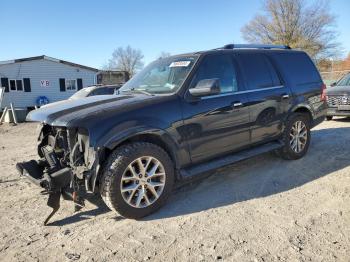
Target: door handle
237 104
285 96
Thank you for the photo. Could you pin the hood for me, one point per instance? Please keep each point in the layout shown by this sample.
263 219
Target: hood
338 90
66 112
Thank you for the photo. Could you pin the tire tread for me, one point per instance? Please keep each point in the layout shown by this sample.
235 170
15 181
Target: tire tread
111 169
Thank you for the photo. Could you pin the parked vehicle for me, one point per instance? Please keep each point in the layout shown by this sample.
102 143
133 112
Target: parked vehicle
96 90
338 98
178 118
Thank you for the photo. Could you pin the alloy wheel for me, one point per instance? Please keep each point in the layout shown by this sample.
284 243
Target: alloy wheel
143 182
298 136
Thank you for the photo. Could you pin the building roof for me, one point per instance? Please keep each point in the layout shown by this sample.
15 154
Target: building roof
49 59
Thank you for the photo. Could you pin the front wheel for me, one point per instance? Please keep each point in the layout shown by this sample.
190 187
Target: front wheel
137 179
296 137
329 118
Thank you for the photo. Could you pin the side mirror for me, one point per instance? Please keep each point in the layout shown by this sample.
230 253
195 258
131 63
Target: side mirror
206 87
334 84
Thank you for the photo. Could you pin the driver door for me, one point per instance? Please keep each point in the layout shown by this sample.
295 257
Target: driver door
216 124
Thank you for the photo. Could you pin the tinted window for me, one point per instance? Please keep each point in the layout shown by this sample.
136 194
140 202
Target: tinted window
102 91
297 67
218 66
111 90
276 81
258 71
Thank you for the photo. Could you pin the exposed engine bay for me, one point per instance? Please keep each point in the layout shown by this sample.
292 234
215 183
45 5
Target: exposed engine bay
65 167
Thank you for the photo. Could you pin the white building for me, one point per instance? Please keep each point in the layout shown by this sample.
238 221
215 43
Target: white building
28 80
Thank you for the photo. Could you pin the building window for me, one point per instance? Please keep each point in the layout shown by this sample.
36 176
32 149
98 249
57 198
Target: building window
71 85
16 85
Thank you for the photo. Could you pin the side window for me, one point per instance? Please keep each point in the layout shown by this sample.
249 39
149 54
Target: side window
276 81
16 85
258 71
218 66
296 67
111 90
99 91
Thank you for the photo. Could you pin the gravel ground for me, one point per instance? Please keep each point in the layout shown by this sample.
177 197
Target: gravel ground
262 209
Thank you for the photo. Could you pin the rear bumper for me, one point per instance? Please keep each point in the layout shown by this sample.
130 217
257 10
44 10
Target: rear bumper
319 113
318 121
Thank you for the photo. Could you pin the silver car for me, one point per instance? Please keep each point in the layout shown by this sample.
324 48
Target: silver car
338 98
96 90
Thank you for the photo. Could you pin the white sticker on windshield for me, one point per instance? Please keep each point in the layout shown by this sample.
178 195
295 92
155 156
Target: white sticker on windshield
180 64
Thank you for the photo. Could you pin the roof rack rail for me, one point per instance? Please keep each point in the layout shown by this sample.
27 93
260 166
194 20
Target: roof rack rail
234 46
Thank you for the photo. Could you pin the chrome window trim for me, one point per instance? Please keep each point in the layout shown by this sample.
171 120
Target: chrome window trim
243 92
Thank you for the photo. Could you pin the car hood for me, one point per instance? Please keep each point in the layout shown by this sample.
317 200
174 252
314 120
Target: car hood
72 112
338 90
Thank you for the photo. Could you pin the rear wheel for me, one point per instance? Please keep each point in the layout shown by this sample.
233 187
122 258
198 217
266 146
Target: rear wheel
137 179
329 118
296 137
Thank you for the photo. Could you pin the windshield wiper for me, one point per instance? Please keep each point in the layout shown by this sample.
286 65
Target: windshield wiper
135 90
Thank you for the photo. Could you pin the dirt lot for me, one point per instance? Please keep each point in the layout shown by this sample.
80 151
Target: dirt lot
262 209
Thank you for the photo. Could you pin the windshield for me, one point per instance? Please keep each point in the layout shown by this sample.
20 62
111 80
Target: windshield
82 93
345 81
163 76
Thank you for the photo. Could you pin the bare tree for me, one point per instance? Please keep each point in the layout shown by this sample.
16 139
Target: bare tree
294 23
126 59
164 55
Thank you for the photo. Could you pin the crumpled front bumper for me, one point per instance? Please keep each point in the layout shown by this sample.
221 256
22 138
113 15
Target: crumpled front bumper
55 184
34 171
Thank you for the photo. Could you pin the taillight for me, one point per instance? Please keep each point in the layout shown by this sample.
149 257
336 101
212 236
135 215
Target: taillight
323 93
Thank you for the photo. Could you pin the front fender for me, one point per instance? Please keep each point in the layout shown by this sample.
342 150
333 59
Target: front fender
112 140
118 138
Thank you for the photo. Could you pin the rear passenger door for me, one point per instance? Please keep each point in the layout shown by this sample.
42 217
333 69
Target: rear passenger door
268 97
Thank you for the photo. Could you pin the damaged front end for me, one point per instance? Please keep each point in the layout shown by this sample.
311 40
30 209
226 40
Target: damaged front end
66 166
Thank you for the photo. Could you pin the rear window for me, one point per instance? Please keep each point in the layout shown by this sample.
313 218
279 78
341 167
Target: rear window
297 67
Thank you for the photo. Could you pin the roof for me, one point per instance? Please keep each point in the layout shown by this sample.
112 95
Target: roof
243 48
112 71
49 59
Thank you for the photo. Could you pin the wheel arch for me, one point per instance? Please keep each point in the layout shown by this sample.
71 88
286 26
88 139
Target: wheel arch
159 138
155 136
304 109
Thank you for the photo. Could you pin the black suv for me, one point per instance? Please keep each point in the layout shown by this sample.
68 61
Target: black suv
178 118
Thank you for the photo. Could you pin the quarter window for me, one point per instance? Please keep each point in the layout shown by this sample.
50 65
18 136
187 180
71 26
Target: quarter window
71 85
221 67
258 71
16 85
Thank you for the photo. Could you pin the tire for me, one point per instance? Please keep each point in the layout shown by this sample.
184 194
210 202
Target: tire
287 151
329 118
123 170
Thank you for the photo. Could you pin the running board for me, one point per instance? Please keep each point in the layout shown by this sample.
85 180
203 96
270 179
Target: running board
228 160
